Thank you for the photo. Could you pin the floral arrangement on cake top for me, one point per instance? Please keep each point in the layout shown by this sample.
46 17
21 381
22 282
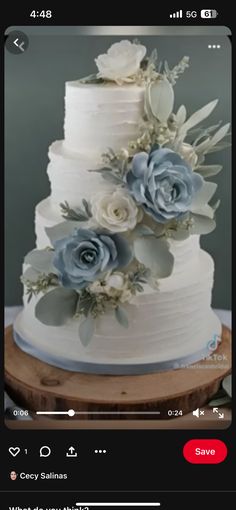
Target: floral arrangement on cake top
106 250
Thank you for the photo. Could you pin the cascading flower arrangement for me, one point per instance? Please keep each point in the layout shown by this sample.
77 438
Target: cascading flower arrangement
107 249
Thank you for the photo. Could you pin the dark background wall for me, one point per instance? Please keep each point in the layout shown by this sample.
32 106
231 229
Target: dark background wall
34 114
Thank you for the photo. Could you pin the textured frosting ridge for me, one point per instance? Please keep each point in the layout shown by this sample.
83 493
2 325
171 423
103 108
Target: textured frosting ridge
98 117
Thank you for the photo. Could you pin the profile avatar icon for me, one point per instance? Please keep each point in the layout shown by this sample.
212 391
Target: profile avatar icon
13 475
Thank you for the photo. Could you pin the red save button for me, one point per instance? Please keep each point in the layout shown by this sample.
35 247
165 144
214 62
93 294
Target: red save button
205 451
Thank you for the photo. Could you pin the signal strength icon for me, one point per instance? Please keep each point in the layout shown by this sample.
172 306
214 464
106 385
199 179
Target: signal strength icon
177 14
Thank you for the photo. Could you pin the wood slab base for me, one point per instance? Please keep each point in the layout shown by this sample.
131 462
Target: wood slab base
37 386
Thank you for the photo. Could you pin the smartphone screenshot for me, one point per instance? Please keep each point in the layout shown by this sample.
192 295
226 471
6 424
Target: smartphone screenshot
117 351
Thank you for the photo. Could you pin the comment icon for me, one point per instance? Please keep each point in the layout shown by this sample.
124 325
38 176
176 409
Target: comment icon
45 451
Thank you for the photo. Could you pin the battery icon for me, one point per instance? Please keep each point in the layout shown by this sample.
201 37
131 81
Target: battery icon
209 13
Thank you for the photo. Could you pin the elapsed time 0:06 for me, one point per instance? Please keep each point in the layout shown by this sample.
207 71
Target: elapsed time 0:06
41 14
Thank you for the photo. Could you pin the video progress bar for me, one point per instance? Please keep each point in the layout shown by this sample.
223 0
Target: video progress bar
120 504
72 413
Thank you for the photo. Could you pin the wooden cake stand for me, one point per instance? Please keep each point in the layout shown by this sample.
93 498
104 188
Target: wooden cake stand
35 385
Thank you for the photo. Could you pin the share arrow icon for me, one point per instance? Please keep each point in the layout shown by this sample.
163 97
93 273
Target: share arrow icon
71 452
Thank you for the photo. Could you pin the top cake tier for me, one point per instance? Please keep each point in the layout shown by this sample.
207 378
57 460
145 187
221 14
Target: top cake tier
98 117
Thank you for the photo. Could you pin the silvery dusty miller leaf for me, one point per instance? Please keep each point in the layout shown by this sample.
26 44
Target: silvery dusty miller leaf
198 116
86 330
219 135
181 115
112 178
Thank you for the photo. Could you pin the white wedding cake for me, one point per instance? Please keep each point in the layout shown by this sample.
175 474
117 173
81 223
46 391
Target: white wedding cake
118 282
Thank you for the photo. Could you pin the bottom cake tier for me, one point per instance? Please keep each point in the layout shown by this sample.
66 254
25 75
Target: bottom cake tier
169 329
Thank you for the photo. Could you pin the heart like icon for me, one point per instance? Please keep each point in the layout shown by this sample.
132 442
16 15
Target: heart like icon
14 450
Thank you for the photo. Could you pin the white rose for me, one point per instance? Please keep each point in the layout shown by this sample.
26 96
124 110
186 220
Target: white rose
121 61
117 211
188 154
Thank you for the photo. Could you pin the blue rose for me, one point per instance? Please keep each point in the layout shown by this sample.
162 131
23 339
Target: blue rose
163 183
84 256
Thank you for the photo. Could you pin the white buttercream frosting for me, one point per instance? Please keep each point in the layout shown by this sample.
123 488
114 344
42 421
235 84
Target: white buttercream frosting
98 117
70 177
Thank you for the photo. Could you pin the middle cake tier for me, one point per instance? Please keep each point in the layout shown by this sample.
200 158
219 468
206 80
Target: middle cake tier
71 175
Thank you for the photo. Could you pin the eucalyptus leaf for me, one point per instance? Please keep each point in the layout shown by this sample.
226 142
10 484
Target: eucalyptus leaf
56 306
161 99
61 230
205 210
217 402
198 116
155 255
30 274
147 106
208 170
227 385
41 260
143 230
180 234
202 197
202 224
86 330
121 316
